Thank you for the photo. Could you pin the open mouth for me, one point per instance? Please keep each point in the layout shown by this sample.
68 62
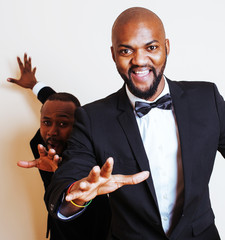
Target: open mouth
52 144
141 74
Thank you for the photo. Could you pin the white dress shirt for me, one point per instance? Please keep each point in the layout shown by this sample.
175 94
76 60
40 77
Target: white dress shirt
37 87
160 137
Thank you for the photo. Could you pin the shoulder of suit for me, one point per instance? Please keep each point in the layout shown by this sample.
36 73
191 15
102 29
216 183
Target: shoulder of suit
109 100
193 84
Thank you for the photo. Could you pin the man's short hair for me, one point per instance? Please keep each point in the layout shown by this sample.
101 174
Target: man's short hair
64 97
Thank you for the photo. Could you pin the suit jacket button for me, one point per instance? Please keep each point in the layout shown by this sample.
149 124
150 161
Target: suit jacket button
52 207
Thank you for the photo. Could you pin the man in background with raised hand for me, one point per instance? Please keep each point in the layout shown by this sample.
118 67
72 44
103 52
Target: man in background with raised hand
56 124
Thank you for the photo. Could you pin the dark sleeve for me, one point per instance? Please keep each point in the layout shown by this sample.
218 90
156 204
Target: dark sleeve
220 104
44 93
37 139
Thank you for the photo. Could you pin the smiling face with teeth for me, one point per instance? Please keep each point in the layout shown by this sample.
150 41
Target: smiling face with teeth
140 50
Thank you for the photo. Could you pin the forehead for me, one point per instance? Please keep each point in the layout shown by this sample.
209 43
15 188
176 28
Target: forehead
57 108
146 30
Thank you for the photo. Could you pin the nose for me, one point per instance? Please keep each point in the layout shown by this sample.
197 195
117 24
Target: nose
140 58
53 130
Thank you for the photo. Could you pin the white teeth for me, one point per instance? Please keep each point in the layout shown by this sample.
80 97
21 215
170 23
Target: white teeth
142 73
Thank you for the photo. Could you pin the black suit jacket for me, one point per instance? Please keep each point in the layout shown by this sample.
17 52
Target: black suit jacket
108 128
93 223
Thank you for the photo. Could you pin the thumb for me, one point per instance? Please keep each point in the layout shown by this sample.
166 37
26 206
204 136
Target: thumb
27 164
34 70
12 80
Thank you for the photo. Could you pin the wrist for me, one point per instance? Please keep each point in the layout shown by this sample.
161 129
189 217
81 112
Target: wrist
33 84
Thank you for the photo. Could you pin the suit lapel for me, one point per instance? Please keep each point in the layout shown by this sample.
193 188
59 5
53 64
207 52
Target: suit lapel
181 109
129 124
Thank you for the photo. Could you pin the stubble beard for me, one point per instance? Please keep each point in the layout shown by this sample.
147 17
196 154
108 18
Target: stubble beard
144 94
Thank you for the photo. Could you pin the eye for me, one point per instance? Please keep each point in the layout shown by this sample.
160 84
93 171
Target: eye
47 123
63 124
152 47
125 51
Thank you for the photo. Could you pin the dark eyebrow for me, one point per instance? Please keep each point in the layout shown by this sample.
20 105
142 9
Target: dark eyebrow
147 44
62 116
124 45
153 41
44 117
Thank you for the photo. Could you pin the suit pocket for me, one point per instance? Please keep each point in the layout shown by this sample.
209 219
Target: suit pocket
203 222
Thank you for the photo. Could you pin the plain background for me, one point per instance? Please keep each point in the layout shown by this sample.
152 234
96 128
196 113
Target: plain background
69 42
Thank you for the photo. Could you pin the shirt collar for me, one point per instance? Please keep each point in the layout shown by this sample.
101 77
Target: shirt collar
133 98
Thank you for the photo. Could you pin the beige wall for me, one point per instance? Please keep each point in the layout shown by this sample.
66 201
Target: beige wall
69 42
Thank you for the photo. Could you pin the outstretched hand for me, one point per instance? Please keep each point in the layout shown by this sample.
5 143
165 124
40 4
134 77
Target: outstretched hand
27 78
48 160
101 181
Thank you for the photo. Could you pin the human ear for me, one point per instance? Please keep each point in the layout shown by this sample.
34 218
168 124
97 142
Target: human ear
167 44
112 52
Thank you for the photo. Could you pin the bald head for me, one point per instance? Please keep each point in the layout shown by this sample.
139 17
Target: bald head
139 50
137 16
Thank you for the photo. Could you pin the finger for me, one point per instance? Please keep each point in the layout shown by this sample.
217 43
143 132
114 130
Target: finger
27 164
75 193
25 57
107 168
51 153
30 65
42 151
34 71
20 64
94 175
140 177
56 160
130 179
12 80
27 64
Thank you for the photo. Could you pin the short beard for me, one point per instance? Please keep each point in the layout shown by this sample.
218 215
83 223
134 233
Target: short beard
147 94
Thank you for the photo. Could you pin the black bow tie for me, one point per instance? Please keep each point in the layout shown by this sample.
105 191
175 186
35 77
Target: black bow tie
142 108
